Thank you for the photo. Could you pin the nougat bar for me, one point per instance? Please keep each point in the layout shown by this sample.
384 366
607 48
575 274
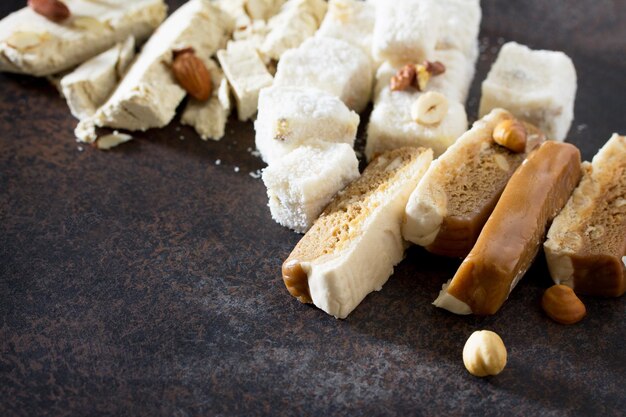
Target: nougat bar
449 207
511 238
586 243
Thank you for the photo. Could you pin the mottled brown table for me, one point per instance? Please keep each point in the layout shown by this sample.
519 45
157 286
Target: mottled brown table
145 280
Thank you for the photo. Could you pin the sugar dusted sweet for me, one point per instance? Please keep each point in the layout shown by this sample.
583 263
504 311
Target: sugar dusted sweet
331 65
391 125
294 116
535 85
303 182
406 31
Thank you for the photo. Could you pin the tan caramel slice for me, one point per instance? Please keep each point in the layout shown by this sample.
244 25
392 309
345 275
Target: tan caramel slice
587 240
353 246
511 238
451 204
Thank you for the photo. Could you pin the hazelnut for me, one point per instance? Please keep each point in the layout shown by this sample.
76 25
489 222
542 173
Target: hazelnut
511 134
562 305
484 353
429 108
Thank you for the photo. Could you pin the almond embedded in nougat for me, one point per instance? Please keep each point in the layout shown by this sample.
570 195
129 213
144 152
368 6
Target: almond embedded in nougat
192 74
54 10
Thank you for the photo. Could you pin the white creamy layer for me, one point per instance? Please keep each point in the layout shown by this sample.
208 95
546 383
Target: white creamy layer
339 282
32 44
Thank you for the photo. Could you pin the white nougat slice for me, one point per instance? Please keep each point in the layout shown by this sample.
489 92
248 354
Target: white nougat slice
32 44
296 21
87 87
148 95
209 118
392 126
303 182
535 85
406 31
290 117
351 21
246 74
454 83
330 65
353 246
460 25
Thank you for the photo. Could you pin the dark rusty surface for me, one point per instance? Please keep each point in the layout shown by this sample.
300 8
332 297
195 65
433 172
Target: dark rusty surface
146 280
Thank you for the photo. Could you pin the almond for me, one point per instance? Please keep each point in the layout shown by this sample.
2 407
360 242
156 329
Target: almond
54 10
192 74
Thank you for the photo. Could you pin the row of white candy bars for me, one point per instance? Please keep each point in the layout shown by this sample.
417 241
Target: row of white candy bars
411 31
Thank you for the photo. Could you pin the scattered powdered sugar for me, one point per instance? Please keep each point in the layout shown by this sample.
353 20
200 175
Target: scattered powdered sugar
80 148
218 162
256 174
236 169
581 127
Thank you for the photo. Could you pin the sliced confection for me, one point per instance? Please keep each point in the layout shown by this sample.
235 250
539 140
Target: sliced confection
246 74
449 207
587 241
535 85
209 117
87 87
296 21
512 235
352 248
148 95
304 181
351 21
32 44
331 65
392 124
406 31
290 117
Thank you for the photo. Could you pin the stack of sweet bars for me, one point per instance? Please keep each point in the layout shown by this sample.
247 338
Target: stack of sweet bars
309 67
489 197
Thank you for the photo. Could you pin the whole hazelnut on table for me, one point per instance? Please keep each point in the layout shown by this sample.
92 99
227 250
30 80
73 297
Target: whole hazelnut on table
484 353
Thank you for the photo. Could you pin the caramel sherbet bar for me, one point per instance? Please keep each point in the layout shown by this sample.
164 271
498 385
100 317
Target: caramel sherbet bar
511 238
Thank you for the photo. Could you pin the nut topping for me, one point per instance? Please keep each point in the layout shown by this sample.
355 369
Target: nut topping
434 67
423 76
192 74
54 10
484 353
562 305
404 78
511 134
429 108
417 76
